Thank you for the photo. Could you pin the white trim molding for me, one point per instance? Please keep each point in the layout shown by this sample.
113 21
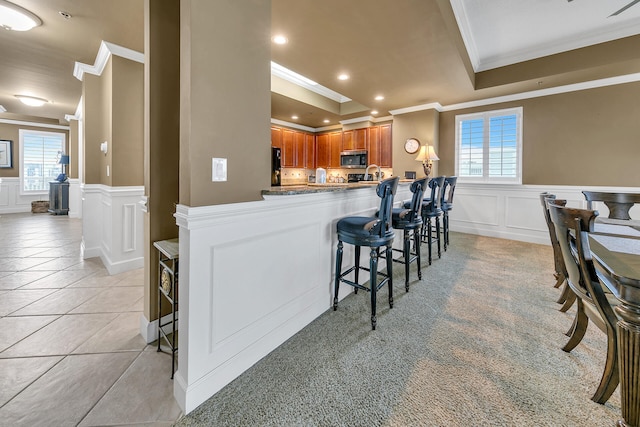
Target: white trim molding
104 53
112 226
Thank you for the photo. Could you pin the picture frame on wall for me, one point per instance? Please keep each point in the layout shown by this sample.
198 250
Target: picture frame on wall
6 155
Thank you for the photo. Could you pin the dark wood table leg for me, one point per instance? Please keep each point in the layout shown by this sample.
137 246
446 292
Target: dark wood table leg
629 362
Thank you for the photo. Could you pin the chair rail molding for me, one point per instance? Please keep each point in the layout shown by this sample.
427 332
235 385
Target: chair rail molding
112 226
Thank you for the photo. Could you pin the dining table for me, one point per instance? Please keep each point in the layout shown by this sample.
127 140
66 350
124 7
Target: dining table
615 248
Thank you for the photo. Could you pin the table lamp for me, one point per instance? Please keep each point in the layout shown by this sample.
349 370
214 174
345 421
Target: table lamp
427 156
64 161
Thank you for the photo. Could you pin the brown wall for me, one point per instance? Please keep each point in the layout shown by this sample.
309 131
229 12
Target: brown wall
127 131
422 125
588 137
225 103
113 112
11 132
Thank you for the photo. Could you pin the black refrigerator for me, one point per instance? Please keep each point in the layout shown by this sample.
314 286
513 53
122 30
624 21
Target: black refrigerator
276 166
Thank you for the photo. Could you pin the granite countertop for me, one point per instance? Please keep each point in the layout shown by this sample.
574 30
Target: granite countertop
289 190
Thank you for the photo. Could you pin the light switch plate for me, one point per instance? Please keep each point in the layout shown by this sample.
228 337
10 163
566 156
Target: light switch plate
218 169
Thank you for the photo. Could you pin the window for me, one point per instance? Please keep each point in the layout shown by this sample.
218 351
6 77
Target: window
489 146
39 156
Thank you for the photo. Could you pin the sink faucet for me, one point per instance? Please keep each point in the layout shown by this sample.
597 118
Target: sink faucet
366 172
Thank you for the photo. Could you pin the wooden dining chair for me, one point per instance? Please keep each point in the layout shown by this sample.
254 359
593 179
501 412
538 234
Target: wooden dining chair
618 203
567 296
593 302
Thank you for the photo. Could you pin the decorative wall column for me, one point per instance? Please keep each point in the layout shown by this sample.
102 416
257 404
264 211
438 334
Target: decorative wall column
161 142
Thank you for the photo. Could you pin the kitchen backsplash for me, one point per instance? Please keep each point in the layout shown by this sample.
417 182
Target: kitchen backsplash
301 176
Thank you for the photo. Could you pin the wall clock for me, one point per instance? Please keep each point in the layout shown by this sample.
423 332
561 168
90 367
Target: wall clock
411 145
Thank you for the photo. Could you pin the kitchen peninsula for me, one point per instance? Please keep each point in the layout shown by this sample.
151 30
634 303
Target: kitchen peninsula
260 271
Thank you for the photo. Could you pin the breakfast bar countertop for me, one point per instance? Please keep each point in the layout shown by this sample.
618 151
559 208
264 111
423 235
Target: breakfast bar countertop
289 190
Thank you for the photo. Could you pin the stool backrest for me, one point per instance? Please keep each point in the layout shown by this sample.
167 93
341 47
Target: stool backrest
436 185
448 189
385 190
417 188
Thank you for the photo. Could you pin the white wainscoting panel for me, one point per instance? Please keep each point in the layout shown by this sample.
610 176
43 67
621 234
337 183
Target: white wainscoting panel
112 226
251 276
75 198
11 201
514 211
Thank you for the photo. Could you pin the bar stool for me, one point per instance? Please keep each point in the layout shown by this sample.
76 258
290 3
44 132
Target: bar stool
409 220
447 205
373 232
431 211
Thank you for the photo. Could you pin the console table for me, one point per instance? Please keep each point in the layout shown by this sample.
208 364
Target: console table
59 197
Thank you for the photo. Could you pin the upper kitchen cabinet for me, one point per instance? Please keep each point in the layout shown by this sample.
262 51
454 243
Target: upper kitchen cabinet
386 146
276 137
299 158
323 150
309 151
360 139
335 140
354 139
288 149
379 145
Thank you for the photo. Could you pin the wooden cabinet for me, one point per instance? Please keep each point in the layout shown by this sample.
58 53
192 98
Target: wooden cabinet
373 145
386 146
347 140
309 151
299 160
276 137
288 149
335 140
379 145
306 150
323 150
354 139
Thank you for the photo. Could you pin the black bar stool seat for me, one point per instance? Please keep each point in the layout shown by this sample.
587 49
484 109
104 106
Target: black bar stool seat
373 232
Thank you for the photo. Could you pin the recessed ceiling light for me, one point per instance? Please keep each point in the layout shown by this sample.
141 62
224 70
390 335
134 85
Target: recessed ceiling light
294 117
374 112
13 17
379 98
280 39
32 101
326 120
343 76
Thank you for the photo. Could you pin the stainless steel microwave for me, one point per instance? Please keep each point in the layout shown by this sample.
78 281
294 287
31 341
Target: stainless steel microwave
353 159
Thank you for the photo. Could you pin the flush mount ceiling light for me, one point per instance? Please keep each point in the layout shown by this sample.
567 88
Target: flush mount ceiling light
280 39
32 101
13 17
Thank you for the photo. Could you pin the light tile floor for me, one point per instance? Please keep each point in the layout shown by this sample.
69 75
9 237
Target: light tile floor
70 349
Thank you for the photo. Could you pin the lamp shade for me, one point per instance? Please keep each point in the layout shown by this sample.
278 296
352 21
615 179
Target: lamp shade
64 159
427 153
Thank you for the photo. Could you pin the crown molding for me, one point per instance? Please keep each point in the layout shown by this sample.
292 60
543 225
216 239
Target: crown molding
33 124
431 106
104 53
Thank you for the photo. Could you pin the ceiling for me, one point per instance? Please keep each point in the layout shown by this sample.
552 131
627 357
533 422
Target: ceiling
413 52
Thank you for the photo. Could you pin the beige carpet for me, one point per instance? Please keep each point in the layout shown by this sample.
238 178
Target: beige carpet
475 343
